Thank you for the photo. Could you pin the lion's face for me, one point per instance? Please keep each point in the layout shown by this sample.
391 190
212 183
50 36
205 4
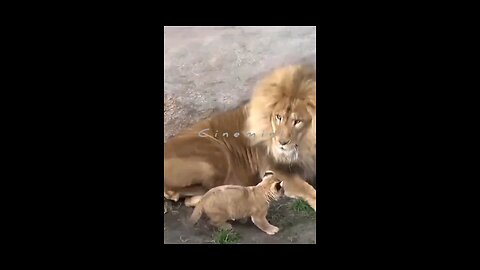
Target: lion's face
290 122
284 105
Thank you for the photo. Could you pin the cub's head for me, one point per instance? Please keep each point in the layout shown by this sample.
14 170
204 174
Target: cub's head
273 184
282 113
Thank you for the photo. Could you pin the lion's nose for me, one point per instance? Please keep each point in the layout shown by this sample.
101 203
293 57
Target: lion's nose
283 142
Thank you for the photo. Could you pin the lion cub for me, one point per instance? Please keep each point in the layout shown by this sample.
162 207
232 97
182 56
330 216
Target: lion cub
230 202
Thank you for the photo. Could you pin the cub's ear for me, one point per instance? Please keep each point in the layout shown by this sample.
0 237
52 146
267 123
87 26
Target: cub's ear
267 173
278 186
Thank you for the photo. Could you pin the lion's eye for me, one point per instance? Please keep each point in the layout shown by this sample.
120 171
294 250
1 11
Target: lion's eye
296 122
279 118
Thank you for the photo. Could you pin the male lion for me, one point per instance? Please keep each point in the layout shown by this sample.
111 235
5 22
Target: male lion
275 130
231 202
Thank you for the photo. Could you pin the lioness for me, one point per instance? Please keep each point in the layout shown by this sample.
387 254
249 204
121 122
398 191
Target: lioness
231 202
274 130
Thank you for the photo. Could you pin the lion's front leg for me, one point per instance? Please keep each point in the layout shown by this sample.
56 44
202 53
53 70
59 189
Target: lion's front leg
296 187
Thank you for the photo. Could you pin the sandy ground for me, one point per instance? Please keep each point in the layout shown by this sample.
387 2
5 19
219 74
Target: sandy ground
211 69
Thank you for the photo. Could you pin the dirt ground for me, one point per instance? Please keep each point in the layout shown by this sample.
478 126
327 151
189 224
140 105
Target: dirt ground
297 223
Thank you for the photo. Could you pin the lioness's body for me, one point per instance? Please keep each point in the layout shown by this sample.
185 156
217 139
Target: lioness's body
203 157
231 202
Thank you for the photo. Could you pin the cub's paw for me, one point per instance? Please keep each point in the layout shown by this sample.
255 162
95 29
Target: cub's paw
272 230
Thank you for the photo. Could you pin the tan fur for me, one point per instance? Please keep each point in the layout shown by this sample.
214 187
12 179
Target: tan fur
231 202
202 157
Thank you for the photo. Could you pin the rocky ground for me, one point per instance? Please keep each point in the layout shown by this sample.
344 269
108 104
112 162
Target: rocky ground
211 69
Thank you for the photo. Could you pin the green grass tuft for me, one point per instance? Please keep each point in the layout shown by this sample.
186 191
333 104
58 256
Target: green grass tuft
226 237
302 207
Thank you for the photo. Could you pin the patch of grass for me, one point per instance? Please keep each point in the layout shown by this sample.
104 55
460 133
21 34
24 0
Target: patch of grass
280 219
300 206
226 237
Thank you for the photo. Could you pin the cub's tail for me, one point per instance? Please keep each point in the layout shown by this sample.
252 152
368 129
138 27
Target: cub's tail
197 213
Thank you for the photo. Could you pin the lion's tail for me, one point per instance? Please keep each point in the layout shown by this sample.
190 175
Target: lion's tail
197 213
